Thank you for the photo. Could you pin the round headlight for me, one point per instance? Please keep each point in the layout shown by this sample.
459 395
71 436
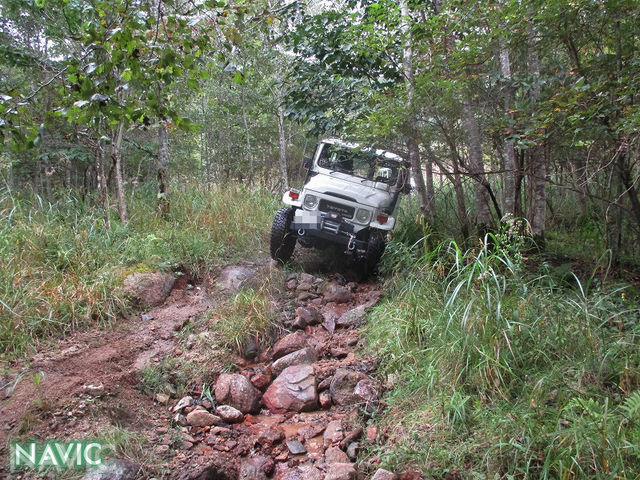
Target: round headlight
363 216
310 201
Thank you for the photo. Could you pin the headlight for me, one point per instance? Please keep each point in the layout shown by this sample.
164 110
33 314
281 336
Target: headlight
310 201
363 216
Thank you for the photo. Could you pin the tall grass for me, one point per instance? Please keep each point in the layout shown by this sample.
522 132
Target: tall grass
60 268
507 373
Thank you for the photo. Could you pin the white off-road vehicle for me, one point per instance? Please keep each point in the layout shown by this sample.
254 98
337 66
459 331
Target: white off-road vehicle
348 199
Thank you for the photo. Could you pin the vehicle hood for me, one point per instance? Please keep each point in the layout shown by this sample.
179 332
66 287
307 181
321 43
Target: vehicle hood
360 192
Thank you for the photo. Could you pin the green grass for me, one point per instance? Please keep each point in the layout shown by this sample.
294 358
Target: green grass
504 372
61 269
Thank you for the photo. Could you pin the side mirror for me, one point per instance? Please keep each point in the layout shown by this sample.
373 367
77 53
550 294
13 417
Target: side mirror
307 162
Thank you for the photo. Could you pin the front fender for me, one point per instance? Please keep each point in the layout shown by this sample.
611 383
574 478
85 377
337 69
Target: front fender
287 200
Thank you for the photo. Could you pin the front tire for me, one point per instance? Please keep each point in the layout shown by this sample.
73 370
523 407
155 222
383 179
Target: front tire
283 240
375 249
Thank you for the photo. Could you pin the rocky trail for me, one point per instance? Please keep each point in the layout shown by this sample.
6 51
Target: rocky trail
301 409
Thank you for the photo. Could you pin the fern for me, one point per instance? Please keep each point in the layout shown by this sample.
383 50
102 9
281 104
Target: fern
631 406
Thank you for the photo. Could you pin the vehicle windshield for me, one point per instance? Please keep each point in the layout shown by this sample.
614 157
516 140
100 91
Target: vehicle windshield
359 163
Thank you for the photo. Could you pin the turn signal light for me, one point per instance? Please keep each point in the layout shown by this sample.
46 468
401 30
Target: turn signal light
294 194
382 218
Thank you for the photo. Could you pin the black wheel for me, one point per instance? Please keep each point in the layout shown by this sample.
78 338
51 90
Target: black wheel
375 249
283 240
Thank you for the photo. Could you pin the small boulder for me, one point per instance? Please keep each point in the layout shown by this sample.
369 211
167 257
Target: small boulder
352 317
296 447
336 293
343 385
333 434
382 474
293 391
116 469
306 316
255 468
234 278
149 289
236 390
262 378
306 355
184 402
325 399
335 455
199 417
352 451
290 343
229 414
341 471
329 322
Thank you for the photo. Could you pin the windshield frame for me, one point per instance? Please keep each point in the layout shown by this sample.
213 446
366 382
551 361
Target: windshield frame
374 161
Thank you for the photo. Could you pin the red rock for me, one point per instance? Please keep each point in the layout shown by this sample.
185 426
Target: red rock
199 417
255 468
325 399
335 455
236 390
382 474
372 434
149 289
306 316
293 391
262 378
229 414
290 343
333 434
336 293
268 436
343 385
301 472
341 471
306 355
352 317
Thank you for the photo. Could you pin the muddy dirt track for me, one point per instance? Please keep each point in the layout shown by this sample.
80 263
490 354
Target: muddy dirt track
300 409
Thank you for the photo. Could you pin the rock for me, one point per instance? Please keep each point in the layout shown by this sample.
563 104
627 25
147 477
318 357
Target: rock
236 390
352 451
325 399
229 414
369 392
306 316
293 391
94 390
343 385
301 472
180 419
262 378
234 278
290 343
352 317
382 474
325 384
336 293
292 284
160 450
221 466
114 469
295 447
146 317
306 355
199 417
149 289
268 436
333 434
162 398
372 434
335 455
182 403
341 471
329 322
255 468
303 297
351 436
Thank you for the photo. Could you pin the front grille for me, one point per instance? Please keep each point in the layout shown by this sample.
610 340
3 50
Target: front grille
344 210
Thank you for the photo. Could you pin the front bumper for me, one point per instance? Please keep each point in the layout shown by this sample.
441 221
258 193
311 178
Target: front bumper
327 226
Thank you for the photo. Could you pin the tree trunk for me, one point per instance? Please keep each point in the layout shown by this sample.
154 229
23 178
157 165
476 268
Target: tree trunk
101 180
509 199
246 133
413 147
163 168
476 167
116 152
538 154
282 143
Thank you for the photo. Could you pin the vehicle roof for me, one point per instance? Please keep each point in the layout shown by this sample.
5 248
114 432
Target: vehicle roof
342 143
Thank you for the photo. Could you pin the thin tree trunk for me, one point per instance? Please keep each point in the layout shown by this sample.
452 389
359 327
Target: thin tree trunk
246 133
117 156
163 168
282 143
101 180
509 199
538 154
413 147
476 167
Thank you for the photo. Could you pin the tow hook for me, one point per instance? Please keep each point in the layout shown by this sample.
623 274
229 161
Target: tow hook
351 246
